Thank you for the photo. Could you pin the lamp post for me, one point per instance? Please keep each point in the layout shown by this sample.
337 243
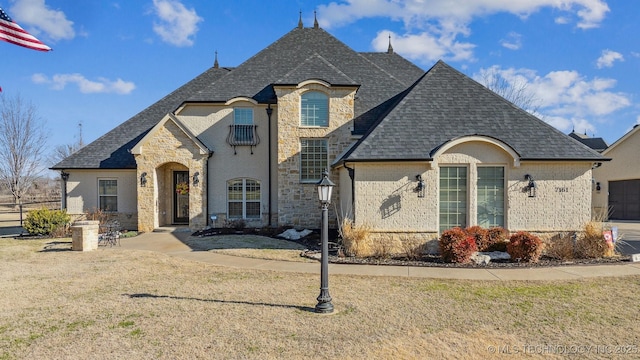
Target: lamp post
325 187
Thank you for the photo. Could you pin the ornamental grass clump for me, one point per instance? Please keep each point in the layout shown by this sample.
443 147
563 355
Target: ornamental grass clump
591 244
457 246
355 238
525 247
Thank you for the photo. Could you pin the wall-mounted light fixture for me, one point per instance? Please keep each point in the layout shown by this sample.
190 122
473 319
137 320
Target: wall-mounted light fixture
420 187
531 186
196 180
598 187
143 179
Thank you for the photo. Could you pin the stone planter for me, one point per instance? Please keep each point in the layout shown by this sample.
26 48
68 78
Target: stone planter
84 235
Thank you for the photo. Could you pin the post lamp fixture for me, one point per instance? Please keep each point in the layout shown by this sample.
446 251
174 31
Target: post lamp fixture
531 186
325 188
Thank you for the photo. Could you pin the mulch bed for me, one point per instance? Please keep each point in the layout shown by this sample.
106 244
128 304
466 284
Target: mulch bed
313 242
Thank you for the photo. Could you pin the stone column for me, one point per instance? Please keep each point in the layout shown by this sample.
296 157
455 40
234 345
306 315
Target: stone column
84 235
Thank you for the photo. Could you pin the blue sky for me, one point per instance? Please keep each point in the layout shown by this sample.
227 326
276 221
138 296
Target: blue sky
580 60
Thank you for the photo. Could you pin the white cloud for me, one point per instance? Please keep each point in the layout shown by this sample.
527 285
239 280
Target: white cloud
38 18
513 41
607 58
567 99
177 24
424 47
442 22
102 85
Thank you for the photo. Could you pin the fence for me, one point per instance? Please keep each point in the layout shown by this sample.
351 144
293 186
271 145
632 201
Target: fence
12 215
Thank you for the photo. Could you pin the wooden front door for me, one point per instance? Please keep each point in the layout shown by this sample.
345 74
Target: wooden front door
181 197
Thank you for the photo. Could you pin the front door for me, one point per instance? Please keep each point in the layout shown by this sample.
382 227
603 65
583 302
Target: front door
624 199
181 197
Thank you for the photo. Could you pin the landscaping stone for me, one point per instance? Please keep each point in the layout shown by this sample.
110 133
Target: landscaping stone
293 234
484 258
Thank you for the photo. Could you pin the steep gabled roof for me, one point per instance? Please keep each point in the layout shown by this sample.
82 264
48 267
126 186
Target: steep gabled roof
445 105
624 137
318 68
112 150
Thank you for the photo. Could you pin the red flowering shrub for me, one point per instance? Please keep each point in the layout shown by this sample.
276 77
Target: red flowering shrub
478 234
525 247
497 239
456 246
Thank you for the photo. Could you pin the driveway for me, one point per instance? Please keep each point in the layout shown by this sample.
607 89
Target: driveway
630 234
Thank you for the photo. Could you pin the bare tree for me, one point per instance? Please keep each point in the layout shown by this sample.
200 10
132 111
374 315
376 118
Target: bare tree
513 88
22 143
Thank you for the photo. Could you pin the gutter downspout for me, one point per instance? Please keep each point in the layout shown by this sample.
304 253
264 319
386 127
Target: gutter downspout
352 175
269 113
208 189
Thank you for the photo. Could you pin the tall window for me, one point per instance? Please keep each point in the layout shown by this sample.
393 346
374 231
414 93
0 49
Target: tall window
243 124
453 197
313 159
244 199
490 196
108 194
314 109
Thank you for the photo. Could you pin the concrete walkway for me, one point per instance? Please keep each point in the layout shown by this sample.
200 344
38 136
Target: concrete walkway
170 243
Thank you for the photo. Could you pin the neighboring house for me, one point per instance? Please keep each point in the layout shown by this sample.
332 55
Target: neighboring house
617 183
598 144
411 153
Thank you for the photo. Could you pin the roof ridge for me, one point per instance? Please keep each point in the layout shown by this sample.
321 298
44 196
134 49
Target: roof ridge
321 58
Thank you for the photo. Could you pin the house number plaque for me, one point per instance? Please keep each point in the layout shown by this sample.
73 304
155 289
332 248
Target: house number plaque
562 189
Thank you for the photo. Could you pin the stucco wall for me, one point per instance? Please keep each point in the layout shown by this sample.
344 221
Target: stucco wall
387 199
624 165
210 123
82 193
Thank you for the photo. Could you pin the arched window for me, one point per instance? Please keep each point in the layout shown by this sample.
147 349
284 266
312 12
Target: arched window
314 107
243 199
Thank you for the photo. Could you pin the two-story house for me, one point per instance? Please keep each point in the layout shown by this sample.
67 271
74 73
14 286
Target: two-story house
411 152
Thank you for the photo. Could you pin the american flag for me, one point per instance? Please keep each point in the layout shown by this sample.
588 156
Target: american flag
13 33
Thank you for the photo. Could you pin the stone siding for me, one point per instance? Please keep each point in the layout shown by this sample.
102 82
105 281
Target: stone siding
298 203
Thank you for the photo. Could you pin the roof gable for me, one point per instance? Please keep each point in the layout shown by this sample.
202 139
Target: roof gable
624 138
138 148
444 105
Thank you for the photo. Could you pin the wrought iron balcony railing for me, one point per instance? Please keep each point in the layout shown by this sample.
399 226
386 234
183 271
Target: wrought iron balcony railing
243 135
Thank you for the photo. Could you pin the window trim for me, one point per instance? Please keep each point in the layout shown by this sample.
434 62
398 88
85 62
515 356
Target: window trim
325 123
324 167
107 195
244 200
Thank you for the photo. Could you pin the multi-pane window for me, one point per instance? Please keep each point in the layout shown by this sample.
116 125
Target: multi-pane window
313 159
490 196
453 197
243 124
108 194
314 109
244 199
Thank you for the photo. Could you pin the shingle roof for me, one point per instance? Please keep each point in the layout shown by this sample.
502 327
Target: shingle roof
444 105
597 144
111 151
302 54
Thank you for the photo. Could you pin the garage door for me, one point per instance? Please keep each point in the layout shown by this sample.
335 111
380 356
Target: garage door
624 199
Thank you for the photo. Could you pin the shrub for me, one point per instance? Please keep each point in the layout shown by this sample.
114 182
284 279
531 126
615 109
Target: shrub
355 238
96 214
479 234
525 247
412 248
456 246
591 244
497 239
561 246
45 221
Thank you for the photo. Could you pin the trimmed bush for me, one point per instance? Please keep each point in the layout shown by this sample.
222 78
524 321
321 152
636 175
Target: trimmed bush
497 239
479 234
525 247
456 246
45 221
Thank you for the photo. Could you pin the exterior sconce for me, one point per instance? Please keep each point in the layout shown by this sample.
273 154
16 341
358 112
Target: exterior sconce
598 187
421 186
196 180
64 175
531 186
143 179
